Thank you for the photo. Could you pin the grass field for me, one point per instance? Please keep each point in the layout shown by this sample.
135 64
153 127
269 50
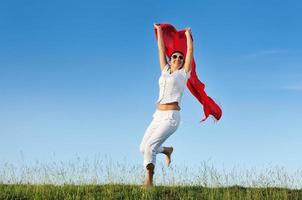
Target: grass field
103 179
122 191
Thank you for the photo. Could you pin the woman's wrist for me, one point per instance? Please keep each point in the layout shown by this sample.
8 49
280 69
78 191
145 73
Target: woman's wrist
188 32
158 27
159 30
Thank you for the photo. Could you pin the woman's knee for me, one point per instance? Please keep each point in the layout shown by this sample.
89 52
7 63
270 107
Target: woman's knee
142 148
146 148
149 148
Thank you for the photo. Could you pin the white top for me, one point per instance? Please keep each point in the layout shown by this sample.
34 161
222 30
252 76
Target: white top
171 86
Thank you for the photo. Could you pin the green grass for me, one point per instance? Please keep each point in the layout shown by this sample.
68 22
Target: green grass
103 179
123 192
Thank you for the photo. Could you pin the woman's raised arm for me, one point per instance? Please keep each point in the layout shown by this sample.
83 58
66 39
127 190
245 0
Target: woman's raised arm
189 55
161 47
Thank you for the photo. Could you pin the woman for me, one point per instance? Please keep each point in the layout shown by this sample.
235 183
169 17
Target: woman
166 118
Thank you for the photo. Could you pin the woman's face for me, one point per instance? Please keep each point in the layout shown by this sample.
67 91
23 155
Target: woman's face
177 60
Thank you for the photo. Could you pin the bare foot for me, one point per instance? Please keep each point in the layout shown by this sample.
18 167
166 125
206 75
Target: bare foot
147 185
169 151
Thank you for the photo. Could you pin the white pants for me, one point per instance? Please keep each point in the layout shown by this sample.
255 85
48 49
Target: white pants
163 124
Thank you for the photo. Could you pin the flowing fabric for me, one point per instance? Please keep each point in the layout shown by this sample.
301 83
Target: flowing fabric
176 41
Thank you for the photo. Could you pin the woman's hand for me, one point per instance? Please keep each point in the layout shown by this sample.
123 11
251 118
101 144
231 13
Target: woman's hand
157 26
188 31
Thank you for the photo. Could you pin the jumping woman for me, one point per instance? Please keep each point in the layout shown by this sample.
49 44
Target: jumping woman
166 118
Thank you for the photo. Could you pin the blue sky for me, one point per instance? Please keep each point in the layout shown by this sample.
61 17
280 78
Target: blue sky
81 78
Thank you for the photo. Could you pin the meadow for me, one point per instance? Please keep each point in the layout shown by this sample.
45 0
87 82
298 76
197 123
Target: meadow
103 178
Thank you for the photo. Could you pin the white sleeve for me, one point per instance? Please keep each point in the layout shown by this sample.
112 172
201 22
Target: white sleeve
165 68
186 74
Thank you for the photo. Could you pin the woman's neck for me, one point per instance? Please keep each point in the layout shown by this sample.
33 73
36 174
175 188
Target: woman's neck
173 69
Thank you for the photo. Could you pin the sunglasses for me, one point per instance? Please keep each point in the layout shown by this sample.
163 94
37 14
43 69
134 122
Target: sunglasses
177 56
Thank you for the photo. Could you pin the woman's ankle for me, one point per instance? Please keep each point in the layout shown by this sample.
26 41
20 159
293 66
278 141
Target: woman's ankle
150 166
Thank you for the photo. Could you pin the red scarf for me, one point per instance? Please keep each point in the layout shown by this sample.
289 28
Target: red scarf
176 41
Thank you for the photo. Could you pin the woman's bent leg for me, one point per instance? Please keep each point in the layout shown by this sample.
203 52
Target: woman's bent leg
154 143
149 131
164 124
